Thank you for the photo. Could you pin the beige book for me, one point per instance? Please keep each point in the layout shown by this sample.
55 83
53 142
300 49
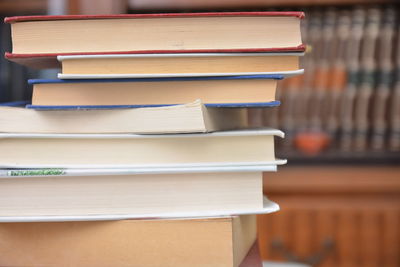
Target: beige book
144 65
155 32
130 150
192 117
210 90
217 242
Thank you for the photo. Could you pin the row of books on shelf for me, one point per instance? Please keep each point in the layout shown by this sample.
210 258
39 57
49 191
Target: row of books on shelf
141 155
349 97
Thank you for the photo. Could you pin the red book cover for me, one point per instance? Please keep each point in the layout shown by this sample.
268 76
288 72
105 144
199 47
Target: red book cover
162 15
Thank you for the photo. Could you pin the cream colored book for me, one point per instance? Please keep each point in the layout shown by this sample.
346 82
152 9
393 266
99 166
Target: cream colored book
178 65
217 242
192 117
106 197
185 32
131 150
155 91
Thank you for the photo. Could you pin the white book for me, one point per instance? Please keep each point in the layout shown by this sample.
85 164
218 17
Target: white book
191 117
178 65
21 150
155 169
116 197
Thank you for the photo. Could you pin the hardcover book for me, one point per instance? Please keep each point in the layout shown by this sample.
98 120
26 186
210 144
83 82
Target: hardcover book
131 150
219 242
152 33
54 196
155 91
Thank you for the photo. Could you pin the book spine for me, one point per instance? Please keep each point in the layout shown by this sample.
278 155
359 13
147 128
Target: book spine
394 107
338 74
367 79
353 68
385 77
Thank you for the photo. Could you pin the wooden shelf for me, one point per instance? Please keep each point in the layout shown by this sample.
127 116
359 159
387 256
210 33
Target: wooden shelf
356 209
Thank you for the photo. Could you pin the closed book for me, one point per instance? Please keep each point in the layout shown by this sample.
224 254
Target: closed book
177 65
155 91
191 117
54 195
219 242
152 33
132 150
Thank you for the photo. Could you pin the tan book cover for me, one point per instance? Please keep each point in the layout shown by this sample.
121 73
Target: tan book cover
217 242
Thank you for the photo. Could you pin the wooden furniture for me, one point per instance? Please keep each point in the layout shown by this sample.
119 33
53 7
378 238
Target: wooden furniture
333 216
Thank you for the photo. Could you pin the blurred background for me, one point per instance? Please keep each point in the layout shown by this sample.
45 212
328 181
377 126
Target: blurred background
340 192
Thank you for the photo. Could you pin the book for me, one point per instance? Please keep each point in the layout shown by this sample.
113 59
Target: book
132 150
353 66
385 64
177 65
219 242
154 91
152 33
367 80
394 106
191 117
58 197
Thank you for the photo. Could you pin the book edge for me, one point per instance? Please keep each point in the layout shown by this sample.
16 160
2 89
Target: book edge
15 19
268 207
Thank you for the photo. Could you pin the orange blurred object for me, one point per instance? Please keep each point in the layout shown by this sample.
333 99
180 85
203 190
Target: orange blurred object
312 143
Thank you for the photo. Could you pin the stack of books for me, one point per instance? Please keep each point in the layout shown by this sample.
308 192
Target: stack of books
140 154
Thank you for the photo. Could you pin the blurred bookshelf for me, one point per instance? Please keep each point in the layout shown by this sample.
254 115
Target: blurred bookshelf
345 109
13 85
197 5
23 6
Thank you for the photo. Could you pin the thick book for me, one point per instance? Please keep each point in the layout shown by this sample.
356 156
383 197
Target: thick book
152 33
155 91
191 117
178 65
219 242
133 150
57 197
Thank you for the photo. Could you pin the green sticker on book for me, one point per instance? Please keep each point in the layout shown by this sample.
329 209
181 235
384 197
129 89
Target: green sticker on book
41 172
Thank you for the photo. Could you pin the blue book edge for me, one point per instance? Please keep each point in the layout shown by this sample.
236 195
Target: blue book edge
237 77
213 105
15 104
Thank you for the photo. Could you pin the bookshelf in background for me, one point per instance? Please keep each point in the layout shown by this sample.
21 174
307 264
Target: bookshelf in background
347 105
13 86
